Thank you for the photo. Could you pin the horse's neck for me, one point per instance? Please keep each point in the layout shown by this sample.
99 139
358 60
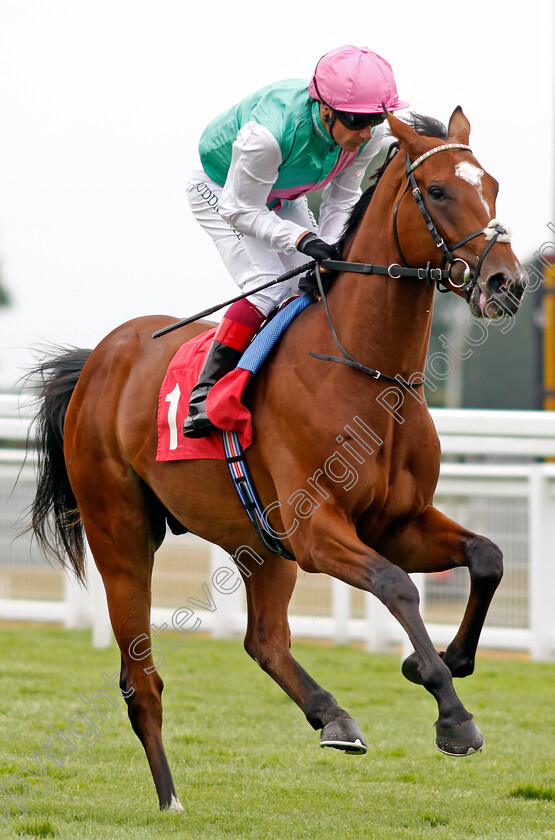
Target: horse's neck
385 322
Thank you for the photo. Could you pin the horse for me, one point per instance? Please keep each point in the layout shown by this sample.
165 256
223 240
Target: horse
315 416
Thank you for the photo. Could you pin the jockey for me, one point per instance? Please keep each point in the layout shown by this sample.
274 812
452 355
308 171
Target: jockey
259 159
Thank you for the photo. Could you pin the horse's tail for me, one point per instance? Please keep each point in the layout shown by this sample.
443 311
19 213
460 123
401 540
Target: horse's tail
55 518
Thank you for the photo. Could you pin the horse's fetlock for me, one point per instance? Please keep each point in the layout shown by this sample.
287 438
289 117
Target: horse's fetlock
463 668
459 662
321 708
435 677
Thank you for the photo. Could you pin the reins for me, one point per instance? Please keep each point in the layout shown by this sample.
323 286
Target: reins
493 232
347 358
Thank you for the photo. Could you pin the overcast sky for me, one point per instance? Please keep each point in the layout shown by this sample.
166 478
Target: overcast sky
102 103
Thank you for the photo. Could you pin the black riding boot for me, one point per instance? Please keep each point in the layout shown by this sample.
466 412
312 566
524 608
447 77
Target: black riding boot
220 360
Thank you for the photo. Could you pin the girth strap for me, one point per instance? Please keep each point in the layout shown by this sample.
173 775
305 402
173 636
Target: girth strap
242 481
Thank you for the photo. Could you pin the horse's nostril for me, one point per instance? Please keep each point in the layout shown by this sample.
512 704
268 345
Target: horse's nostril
499 281
510 283
517 281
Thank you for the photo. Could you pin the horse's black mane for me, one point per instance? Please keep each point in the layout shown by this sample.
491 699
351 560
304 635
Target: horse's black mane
427 126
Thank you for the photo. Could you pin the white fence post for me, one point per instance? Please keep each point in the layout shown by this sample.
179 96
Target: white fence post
341 610
78 607
541 565
381 629
87 607
226 587
101 627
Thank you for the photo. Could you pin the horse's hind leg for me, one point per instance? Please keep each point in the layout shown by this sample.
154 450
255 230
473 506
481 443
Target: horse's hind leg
331 545
434 543
269 587
123 533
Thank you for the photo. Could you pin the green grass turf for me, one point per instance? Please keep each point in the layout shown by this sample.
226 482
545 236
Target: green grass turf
246 763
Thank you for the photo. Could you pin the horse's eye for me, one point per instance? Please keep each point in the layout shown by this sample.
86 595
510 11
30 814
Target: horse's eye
437 193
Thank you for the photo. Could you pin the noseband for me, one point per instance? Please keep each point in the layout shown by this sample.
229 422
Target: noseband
494 231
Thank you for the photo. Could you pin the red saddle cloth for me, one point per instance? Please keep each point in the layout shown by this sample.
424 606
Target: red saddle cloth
224 406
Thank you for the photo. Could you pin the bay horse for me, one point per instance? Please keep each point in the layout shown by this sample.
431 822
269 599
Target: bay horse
97 440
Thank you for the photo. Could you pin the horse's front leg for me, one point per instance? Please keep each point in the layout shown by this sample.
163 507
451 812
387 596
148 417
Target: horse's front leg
434 543
269 586
329 544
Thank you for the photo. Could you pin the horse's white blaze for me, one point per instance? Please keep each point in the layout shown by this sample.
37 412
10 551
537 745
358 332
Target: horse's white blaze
472 174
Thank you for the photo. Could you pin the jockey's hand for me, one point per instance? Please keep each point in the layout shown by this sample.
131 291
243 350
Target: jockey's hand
314 247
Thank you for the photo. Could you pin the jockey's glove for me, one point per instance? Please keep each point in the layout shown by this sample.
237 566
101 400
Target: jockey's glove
314 247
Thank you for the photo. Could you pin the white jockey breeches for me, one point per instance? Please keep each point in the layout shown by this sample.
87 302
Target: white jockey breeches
249 261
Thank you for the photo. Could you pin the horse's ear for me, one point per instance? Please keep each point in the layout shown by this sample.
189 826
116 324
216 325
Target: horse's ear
411 141
459 127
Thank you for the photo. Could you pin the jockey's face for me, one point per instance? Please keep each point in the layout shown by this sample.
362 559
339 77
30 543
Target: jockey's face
347 138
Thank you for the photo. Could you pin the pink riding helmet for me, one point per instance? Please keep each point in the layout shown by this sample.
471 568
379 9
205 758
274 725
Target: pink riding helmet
356 80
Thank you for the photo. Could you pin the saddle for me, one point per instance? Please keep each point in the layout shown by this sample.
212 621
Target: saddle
225 406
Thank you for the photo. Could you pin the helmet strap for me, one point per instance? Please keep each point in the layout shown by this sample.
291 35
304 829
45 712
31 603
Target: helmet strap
330 122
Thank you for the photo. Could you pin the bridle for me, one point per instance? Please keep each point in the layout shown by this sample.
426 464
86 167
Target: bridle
494 232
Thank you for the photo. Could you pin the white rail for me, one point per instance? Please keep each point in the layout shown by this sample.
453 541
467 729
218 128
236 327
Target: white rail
512 457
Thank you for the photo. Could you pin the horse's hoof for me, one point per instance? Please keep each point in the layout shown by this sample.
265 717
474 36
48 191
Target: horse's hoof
344 734
461 739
